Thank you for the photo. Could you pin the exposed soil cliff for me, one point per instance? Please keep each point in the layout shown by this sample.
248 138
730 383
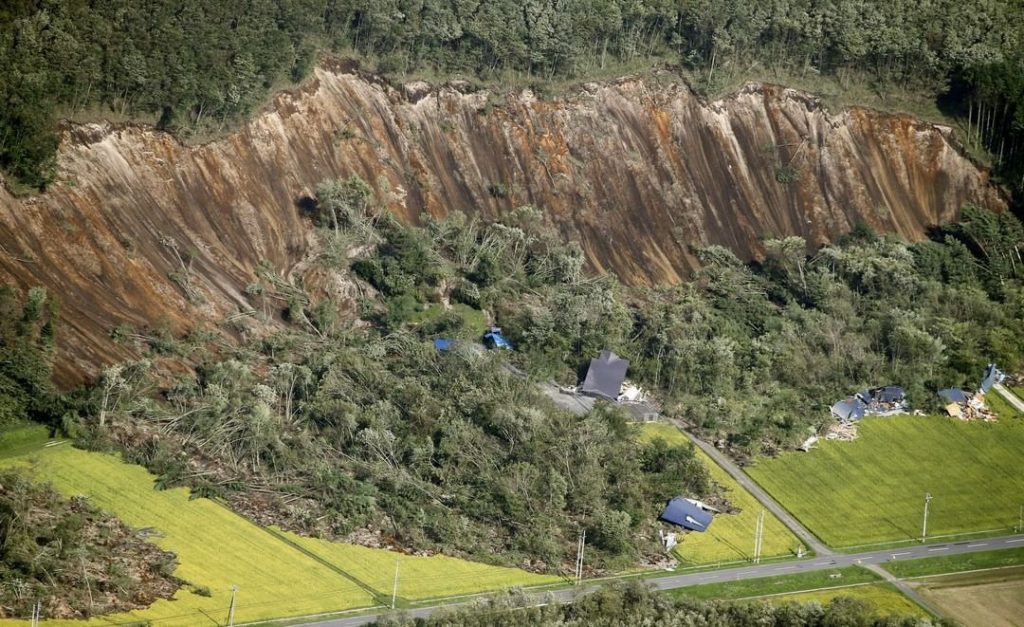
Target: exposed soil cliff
637 171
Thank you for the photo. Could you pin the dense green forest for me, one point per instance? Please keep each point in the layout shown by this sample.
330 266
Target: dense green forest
71 558
199 65
347 422
633 603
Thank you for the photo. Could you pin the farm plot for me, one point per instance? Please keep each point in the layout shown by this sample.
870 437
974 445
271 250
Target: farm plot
871 490
218 549
421 577
884 598
981 599
730 537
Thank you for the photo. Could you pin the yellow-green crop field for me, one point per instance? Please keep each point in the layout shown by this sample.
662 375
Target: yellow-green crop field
730 537
216 549
871 490
420 577
883 597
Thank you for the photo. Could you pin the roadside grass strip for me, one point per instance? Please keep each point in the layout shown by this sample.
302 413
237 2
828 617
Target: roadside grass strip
885 598
419 577
929 566
871 490
780 584
1002 407
216 548
730 538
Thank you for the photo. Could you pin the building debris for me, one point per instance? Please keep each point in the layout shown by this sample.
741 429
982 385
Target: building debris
843 431
889 400
808 444
968 406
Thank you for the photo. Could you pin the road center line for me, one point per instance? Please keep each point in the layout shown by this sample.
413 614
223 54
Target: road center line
939 548
903 553
971 546
1016 540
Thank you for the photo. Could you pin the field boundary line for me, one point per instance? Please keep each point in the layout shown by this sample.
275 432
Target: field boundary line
963 572
375 594
782 594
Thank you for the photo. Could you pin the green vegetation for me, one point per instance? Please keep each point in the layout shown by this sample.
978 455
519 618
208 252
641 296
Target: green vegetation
730 538
956 563
1001 407
278 574
335 429
872 490
884 599
71 558
340 427
632 603
767 586
215 548
194 66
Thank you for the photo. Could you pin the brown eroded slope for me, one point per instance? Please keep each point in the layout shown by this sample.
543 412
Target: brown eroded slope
636 171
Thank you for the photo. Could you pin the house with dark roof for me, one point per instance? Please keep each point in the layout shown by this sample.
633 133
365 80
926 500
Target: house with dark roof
605 376
687 514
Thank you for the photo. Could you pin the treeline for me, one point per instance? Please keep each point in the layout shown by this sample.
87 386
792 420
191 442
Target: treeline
635 603
199 64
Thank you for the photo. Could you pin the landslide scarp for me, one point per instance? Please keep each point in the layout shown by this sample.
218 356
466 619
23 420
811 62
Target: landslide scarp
144 230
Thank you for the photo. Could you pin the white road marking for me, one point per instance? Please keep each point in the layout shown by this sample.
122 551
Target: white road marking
971 546
939 548
1017 540
903 553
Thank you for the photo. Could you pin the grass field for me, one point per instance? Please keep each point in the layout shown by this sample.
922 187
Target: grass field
871 490
730 537
883 597
956 563
981 599
1002 407
217 549
782 584
419 577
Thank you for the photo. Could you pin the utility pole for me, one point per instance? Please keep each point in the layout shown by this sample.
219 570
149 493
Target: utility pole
579 556
394 587
758 537
231 610
924 527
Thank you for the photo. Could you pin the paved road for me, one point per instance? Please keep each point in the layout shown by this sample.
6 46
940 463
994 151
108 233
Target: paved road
770 504
868 559
1009 396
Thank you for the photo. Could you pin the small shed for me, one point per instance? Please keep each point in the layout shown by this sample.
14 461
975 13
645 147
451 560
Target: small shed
605 376
495 339
680 511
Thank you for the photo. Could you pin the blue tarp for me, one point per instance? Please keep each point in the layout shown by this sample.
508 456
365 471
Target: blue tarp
681 512
494 339
442 344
